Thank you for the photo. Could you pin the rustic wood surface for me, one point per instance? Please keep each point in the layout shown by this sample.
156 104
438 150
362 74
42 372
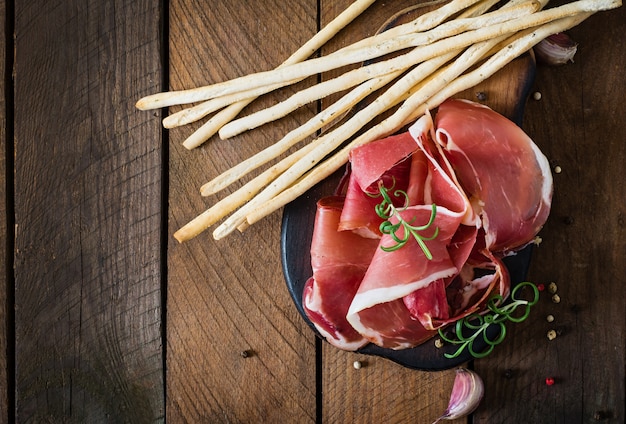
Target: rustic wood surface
6 320
107 318
88 213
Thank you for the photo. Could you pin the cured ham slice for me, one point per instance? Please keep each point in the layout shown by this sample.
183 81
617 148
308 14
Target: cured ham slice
491 188
505 174
384 160
339 260
370 164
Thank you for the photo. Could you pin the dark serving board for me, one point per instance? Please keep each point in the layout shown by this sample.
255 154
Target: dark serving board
505 92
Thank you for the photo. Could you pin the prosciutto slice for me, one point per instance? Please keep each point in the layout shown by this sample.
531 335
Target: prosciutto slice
339 260
503 172
492 190
384 160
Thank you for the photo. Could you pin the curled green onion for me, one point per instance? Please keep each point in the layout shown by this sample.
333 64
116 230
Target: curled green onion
386 209
478 323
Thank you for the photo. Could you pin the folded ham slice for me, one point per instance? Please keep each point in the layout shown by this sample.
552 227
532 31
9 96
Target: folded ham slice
339 260
504 173
492 190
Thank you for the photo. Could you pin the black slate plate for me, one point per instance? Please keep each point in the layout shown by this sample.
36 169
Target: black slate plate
299 217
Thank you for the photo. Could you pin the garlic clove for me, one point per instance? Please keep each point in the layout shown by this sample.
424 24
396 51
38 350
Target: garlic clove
467 392
556 49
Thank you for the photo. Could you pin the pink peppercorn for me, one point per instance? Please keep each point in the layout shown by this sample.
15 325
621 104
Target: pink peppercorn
550 381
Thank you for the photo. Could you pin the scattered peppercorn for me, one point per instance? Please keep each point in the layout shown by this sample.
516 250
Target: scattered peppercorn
357 365
481 96
508 373
438 343
551 335
552 288
541 287
550 381
550 318
537 95
556 298
557 169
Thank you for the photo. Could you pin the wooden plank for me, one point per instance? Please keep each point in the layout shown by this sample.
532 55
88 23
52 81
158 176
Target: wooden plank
381 391
88 213
228 297
579 123
5 202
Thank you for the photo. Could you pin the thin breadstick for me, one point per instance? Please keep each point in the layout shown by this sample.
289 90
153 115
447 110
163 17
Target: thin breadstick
199 111
424 22
410 109
211 127
320 120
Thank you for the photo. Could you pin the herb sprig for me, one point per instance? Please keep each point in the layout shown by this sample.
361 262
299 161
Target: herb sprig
386 210
479 323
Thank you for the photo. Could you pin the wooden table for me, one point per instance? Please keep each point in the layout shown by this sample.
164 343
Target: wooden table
107 318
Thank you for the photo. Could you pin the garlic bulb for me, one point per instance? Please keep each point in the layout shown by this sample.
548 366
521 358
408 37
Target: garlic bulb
557 49
467 392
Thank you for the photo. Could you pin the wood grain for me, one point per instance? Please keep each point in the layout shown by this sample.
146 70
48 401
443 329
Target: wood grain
88 213
5 202
579 125
228 297
96 198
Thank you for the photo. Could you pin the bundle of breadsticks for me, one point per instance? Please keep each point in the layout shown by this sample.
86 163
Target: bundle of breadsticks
443 52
